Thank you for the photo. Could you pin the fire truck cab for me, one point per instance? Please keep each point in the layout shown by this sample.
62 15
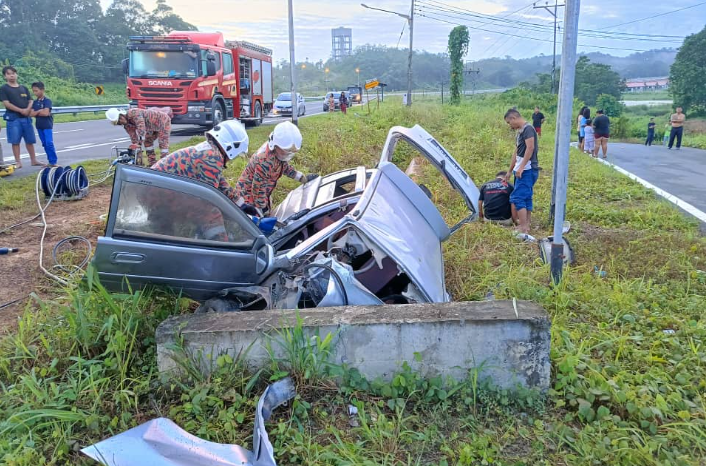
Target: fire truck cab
201 77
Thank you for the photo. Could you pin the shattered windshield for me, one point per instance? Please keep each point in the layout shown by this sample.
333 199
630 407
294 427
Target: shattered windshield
163 64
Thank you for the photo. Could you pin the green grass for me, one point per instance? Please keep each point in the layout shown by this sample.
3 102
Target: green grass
652 95
624 391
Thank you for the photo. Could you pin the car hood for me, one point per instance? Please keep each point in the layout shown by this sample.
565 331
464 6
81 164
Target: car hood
283 103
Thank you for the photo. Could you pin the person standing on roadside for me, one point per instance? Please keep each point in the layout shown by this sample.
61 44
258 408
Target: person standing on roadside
343 102
18 106
537 120
650 132
578 127
44 121
589 139
677 122
601 128
525 166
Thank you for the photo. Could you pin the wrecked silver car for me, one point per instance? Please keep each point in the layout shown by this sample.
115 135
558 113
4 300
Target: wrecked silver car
358 236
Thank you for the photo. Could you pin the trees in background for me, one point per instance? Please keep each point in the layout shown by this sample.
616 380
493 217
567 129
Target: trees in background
594 79
688 74
78 33
458 47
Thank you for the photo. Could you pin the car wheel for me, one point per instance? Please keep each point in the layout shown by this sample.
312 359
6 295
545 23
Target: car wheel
258 114
217 305
219 113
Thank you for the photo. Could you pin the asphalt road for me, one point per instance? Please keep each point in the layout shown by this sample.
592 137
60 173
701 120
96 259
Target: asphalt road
93 139
678 172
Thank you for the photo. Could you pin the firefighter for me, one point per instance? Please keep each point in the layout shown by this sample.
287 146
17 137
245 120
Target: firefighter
204 162
266 167
144 125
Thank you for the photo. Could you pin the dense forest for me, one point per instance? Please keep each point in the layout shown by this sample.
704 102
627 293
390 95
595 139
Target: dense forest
75 39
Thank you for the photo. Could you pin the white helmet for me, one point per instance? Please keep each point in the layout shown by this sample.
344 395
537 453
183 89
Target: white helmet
113 114
287 137
232 138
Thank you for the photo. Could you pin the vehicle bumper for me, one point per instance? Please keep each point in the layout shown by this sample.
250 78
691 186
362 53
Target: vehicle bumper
282 111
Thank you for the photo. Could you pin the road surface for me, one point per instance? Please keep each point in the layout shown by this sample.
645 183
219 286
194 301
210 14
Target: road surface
93 139
680 173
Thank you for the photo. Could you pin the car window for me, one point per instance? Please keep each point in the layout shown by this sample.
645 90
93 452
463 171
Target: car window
227 64
160 214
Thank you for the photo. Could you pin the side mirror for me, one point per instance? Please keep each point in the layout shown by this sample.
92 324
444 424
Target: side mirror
210 68
126 66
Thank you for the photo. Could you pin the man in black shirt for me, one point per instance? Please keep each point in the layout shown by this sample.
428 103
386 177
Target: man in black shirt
537 120
525 167
601 130
494 200
18 106
650 132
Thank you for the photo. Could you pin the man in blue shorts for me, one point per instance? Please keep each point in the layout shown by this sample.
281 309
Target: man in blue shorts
18 106
525 167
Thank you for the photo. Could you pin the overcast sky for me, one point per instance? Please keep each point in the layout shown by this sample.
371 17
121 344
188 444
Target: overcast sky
265 22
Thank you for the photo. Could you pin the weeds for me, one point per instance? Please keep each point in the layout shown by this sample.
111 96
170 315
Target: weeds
628 348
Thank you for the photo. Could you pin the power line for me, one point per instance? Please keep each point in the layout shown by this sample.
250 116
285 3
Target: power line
529 38
655 16
442 11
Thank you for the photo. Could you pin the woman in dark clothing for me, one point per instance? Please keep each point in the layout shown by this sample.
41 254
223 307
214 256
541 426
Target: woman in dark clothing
343 102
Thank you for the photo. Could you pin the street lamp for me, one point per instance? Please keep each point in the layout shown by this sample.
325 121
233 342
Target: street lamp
326 71
357 71
303 66
410 21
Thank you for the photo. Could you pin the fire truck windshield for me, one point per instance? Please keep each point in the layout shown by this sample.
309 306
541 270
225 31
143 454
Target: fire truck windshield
163 64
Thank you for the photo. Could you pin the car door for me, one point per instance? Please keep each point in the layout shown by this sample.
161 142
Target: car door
177 232
440 158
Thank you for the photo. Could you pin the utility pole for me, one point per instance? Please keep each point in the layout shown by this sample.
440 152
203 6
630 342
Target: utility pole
564 129
554 14
471 72
410 22
293 81
409 65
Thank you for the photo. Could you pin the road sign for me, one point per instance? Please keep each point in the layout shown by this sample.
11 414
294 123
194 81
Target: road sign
371 84
100 90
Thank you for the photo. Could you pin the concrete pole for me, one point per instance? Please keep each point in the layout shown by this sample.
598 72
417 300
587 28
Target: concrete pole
292 63
563 136
409 64
556 4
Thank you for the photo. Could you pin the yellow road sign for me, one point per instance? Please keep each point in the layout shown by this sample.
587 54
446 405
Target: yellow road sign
371 84
100 90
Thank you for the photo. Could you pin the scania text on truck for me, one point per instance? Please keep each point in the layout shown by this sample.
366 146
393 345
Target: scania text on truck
200 76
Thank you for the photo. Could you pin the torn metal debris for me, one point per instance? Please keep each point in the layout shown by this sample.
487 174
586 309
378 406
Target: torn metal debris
160 442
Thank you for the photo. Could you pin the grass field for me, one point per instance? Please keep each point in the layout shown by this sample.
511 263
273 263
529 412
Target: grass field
653 95
628 347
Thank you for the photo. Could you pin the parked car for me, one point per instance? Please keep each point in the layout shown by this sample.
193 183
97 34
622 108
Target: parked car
283 104
336 100
355 95
358 236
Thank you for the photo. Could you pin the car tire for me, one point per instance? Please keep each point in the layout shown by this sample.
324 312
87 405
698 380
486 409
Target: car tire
217 305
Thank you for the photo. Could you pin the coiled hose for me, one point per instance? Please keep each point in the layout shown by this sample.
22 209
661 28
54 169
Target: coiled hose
65 182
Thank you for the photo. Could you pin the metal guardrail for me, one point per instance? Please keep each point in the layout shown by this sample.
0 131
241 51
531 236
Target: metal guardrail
79 109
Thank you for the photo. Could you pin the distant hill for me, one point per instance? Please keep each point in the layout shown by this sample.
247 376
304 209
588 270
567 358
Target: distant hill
505 72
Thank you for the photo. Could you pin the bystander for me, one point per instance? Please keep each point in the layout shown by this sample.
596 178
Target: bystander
18 106
677 122
44 121
525 166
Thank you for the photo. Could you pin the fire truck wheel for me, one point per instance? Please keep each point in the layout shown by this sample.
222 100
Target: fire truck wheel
258 114
219 113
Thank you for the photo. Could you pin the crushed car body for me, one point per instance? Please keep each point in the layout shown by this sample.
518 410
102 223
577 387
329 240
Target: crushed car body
357 236
160 442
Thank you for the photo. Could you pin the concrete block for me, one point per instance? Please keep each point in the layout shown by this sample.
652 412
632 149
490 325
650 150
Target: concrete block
452 338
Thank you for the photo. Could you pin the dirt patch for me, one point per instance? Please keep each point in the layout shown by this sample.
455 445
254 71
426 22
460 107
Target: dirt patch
21 274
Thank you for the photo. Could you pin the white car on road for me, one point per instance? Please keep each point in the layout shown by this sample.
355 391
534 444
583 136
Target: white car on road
283 104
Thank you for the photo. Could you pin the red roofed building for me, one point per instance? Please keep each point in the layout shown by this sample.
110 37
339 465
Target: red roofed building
647 84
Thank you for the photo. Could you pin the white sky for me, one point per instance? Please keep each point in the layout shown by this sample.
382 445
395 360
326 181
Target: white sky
265 22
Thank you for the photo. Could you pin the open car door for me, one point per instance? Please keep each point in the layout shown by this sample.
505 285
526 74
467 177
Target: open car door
435 153
177 232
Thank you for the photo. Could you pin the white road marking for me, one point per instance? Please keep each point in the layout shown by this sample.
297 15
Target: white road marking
682 204
56 132
26 156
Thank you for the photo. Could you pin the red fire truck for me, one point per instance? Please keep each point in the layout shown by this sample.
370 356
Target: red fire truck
203 78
